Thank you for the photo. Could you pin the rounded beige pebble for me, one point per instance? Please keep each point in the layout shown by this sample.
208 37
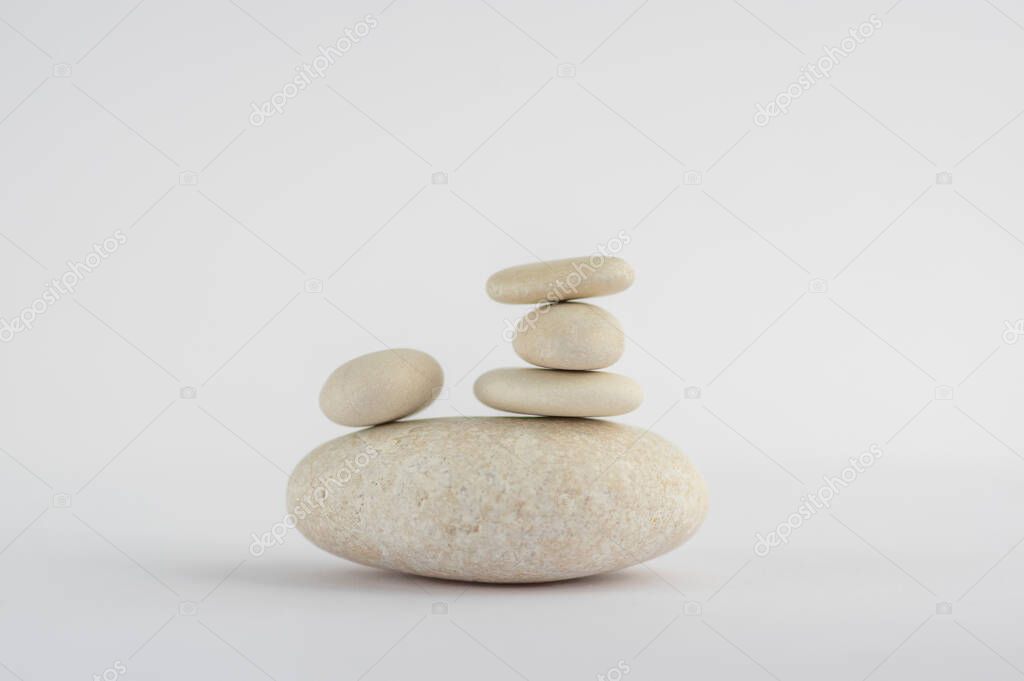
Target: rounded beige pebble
498 499
549 392
381 387
574 336
555 280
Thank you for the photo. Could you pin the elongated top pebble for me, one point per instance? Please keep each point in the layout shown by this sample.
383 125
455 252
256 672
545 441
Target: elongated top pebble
381 387
574 336
555 280
549 392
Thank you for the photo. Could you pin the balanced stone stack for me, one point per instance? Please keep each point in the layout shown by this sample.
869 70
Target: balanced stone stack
569 341
502 499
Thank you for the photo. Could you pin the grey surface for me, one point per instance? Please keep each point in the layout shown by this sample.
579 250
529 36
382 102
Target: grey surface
815 289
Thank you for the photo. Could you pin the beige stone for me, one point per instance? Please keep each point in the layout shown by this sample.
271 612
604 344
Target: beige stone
555 280
574 336
381 387
500 499
548 392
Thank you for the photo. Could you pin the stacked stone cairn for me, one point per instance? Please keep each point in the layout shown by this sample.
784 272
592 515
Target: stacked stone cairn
502 498
568 341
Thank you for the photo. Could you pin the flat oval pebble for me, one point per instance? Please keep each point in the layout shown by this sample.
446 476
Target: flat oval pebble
381 387
574 336
548 392
499 499
555 280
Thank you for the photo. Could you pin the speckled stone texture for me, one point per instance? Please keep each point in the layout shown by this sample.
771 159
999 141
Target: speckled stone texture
556 280
573 336
550 392
380 387
498 499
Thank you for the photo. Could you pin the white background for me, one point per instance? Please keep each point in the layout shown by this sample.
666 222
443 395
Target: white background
128 511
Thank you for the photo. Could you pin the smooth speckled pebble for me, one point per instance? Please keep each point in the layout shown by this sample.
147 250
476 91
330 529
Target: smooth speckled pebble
498 499
556 280
381 387
549 392
574 336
